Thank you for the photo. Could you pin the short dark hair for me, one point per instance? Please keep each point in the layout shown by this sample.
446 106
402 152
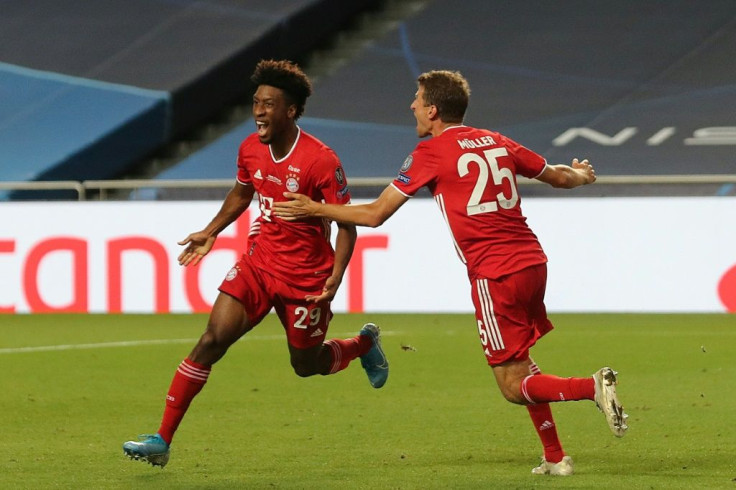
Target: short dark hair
286 76
448 91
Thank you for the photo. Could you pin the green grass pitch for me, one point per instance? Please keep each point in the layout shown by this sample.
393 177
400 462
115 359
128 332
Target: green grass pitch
75 387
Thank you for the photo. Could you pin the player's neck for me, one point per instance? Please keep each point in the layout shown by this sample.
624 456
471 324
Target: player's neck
281 146
439 126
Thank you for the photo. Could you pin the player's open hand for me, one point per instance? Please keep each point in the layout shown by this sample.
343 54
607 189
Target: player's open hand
328 292
299 207
585 168
198 245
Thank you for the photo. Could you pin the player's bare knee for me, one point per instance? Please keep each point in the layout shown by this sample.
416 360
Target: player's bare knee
516 399
304 369
208 341
209 348
513 395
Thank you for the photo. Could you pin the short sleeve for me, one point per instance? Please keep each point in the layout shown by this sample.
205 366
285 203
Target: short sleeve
528 163
331 180
243 175
418 170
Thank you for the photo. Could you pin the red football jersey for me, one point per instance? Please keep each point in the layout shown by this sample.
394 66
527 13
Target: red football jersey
300 252
472 176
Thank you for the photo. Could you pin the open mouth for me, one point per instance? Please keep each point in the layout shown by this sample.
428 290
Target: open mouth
261 128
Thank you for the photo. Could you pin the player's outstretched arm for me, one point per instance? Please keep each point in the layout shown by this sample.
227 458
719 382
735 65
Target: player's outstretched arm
568 177
372 214
300 207
199 243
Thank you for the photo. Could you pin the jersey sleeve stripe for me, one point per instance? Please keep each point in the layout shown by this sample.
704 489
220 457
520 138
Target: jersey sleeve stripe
402 192
543 169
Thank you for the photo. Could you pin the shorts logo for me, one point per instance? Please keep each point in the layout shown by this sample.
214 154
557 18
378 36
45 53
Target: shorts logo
407 163
231 274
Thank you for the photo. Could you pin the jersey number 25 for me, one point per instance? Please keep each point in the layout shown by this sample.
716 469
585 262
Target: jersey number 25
490 162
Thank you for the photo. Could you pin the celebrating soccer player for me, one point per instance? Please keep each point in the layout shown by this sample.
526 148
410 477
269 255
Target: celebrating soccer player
472 173
290 267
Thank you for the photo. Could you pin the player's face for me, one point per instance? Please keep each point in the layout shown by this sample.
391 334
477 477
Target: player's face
272 113
421 109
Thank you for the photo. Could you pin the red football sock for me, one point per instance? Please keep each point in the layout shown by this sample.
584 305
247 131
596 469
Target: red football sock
543 388
541 415
189 380
345 350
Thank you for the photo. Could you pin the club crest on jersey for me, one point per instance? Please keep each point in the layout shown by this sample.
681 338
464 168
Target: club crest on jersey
292 182
231 274
340 176
407 163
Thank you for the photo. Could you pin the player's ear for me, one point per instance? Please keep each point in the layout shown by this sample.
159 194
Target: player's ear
291 111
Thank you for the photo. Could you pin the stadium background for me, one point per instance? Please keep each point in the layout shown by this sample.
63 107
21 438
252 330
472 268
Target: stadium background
159 89
124 90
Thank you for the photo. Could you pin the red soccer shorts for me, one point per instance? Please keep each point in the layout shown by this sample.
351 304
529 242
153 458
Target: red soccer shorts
510 313
305 323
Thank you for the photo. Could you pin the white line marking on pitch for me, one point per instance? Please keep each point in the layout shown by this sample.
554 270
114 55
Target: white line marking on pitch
135 343
127 343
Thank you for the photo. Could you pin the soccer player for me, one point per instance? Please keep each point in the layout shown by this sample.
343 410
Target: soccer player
471 173
290 267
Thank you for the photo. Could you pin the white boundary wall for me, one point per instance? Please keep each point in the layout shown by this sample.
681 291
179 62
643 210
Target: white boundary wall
606 255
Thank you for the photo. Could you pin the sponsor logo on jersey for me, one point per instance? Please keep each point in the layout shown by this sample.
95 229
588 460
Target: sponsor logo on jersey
340 176
407 163
292 184
258 175
273 179
231 274
403 178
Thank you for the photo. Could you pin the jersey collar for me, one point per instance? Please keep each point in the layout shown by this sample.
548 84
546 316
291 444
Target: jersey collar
296 140
454 127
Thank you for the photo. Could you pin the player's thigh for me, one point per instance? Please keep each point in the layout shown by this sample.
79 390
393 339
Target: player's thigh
243 302
510 374
305 323
507 315
227 323
307 361
228 319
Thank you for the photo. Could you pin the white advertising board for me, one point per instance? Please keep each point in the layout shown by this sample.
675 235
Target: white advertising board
606 255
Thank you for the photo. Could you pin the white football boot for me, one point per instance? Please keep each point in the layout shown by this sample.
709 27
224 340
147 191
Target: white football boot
563 468
607 401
